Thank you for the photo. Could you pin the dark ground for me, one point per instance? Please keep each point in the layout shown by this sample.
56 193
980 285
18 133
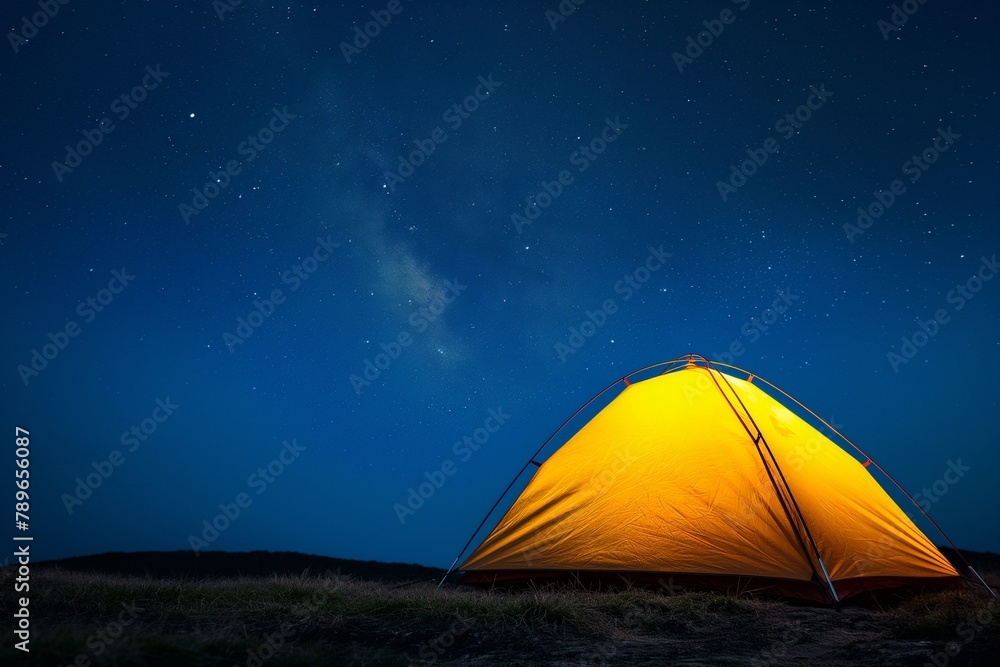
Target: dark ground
279 609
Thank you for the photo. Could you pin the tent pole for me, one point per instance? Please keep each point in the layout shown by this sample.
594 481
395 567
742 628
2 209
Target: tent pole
441 583
691 359
836 598
539 451
880 469
624 379
761 439
981 579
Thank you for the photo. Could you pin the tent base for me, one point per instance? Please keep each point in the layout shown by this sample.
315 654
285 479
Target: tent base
859 590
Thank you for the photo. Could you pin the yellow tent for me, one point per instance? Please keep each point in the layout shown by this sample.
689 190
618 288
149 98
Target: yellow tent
704 479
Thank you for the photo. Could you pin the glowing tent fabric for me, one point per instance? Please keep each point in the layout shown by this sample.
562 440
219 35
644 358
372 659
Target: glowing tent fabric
705 477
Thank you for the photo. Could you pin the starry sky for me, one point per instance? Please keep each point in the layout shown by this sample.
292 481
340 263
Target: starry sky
257 262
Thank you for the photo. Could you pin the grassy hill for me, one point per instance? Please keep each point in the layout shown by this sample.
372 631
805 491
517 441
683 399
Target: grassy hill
186 564
284 609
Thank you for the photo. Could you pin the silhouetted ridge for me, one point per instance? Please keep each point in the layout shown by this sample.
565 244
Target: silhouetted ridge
233 564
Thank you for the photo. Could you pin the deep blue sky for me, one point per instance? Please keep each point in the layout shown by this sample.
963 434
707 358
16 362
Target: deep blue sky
494 345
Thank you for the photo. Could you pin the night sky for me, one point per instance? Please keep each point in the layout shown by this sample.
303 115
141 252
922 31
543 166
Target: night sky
254 258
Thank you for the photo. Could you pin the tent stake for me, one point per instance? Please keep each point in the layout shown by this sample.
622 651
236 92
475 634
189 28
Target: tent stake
449 571
836 598
981 580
